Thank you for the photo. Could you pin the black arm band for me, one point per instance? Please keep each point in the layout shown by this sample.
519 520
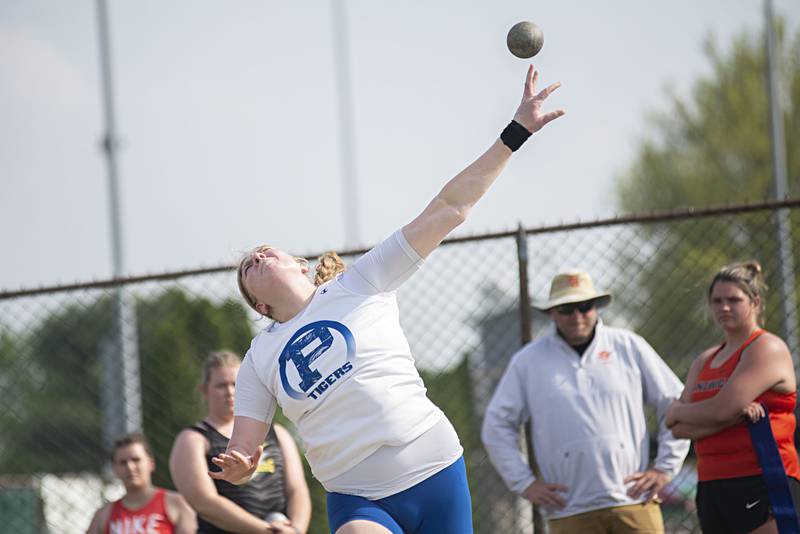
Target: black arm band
514 135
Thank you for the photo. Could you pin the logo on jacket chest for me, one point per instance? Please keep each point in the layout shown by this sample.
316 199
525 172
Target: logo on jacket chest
604 356
316 356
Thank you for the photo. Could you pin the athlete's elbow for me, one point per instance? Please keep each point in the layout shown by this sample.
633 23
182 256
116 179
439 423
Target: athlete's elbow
446 209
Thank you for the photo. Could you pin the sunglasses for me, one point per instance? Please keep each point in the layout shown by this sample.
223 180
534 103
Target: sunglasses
569 309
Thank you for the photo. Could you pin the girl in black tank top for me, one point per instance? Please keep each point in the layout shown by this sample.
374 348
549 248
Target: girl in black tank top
265 491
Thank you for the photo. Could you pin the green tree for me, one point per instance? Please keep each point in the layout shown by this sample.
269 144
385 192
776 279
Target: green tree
176 332
710 148
56 422
56 370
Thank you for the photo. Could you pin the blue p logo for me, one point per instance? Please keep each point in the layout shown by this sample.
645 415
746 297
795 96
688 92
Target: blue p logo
305 347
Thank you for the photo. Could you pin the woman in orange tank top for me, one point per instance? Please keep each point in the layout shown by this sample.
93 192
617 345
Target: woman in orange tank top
726 385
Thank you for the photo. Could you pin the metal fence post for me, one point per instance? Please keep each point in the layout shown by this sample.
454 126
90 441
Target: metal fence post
539 524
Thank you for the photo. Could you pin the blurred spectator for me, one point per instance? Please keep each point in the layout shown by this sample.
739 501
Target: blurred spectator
730 383
144 508
582 389
276 499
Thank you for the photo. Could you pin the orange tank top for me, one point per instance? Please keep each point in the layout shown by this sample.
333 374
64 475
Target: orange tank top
729 453
151 518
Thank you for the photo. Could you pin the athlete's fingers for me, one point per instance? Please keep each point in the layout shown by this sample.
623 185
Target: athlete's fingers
530 82
553 115
544 93
557 487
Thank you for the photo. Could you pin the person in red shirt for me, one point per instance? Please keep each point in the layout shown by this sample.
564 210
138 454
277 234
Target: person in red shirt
726 385
144 508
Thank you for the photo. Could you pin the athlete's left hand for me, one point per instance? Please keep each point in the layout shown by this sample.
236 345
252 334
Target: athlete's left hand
647 482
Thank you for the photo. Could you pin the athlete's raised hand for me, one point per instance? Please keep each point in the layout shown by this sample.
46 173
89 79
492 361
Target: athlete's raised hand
236 468
529 113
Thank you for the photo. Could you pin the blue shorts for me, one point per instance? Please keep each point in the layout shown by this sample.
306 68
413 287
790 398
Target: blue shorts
436 505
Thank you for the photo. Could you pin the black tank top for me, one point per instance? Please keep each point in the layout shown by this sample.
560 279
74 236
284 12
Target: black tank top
265 491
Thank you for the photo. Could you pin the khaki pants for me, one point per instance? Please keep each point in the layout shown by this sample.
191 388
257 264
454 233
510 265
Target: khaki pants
630 519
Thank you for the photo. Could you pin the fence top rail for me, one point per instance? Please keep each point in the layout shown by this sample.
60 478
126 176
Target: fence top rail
636 218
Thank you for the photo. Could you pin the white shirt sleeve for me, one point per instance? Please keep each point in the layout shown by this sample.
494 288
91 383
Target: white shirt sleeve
661 387
384 268
252 398
506 413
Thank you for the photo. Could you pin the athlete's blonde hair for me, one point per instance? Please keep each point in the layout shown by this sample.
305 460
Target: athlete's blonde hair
328 266
747 276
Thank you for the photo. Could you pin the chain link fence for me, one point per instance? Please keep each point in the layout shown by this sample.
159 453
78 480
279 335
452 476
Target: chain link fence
84 363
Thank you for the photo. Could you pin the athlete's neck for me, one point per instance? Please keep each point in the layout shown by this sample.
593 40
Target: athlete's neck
293 303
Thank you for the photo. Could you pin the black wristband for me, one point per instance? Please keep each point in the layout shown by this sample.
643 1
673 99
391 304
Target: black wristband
514 135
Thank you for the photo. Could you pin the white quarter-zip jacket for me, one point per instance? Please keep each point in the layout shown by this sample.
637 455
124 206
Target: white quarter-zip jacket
586 415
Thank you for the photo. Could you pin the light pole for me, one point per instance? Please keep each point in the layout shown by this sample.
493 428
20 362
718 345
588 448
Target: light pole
347 152
121 394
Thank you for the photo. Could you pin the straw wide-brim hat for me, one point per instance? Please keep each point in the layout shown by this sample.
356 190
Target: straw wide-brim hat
569 287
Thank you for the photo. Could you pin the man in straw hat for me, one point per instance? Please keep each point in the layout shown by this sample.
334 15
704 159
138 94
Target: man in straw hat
582 388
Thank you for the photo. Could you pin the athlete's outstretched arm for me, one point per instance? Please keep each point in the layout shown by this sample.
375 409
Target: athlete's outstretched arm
253 410
453 203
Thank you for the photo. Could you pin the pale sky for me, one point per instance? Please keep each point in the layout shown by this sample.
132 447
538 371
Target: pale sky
229 120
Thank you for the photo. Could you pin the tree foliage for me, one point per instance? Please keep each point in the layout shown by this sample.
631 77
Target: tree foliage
712 147
56 420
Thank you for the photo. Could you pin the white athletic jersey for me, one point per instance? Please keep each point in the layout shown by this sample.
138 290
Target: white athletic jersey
341 369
